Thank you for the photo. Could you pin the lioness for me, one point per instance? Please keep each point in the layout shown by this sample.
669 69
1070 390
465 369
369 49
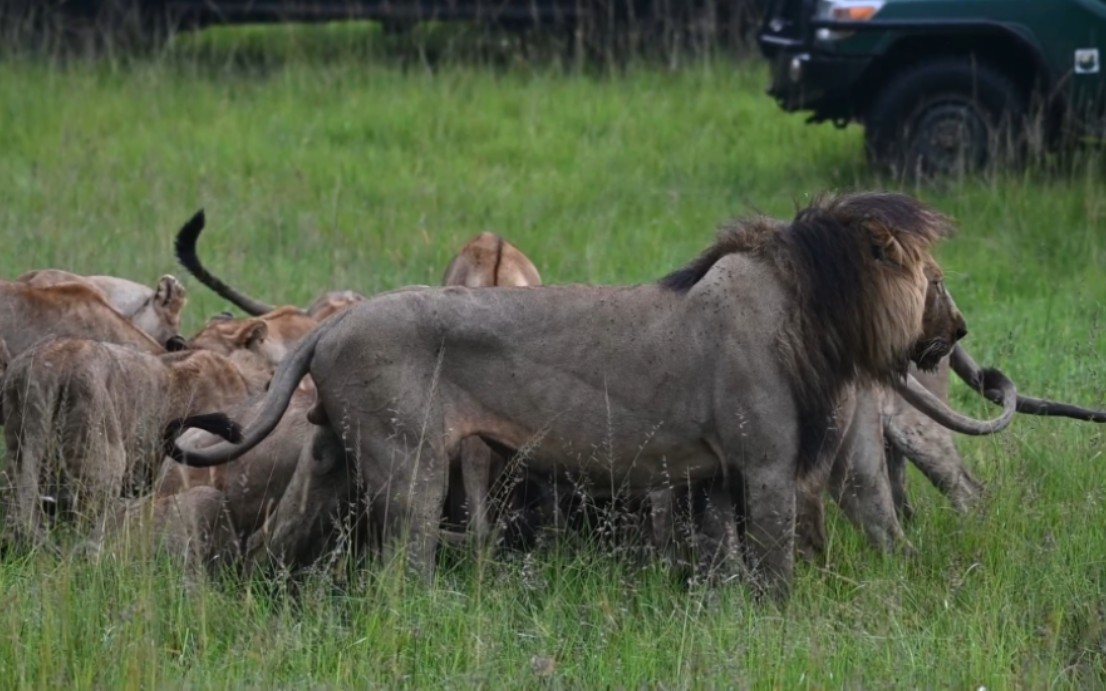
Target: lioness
488 260
155 311
252 486
731 365
83 419
193 526
284 327
29 314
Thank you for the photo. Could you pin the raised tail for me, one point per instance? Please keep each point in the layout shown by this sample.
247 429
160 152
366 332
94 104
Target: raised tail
967 369
287 378
185 247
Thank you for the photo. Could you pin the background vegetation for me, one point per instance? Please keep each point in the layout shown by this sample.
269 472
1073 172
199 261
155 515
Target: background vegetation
323 164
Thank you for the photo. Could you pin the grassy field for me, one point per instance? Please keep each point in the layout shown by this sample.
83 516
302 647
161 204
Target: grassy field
342 172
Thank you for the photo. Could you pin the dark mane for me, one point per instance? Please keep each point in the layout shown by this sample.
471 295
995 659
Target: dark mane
844 258
741 236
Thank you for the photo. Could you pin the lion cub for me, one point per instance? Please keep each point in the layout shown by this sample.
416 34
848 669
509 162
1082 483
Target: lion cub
84 419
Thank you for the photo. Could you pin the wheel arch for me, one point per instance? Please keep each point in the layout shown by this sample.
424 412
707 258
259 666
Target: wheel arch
999 46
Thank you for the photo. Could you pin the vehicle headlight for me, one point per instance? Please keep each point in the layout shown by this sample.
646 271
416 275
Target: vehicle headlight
844 11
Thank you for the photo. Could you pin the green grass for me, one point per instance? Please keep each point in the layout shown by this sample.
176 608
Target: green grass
345 172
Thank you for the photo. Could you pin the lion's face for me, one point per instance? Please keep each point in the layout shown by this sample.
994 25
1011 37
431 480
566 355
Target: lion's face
942 324
272 334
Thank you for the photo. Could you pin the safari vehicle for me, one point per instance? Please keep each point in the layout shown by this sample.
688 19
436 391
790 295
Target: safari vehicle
942 85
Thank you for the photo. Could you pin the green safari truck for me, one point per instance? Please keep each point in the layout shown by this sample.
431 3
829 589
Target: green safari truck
942 86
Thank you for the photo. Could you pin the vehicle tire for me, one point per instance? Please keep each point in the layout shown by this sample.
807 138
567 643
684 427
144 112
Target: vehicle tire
945 117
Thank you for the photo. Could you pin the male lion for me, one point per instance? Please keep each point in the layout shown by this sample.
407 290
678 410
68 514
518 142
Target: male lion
729 366
852 468
155 311
83 419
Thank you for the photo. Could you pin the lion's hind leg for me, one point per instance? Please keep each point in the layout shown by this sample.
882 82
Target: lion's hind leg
407 476
94 454
476 476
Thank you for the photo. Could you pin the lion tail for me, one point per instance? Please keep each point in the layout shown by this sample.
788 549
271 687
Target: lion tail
187 237
285 381
967 369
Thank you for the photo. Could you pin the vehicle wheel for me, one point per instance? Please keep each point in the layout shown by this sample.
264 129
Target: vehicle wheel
948 116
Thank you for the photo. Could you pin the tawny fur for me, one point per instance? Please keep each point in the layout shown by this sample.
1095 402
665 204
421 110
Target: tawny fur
253 484
331 303
156 311
488 261
84 419
283 328
194 527
29 314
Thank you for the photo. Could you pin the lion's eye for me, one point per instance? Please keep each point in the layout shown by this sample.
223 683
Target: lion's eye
878 252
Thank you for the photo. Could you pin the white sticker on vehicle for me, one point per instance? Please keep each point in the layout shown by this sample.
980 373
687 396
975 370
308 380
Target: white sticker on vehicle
1086 60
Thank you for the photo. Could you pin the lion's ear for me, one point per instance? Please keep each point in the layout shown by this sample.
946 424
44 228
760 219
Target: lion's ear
170 294
253 334
885 246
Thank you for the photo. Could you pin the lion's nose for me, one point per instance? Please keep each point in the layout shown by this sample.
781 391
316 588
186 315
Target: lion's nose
961 331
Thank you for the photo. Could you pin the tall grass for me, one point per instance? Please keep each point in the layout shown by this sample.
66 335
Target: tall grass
352 170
